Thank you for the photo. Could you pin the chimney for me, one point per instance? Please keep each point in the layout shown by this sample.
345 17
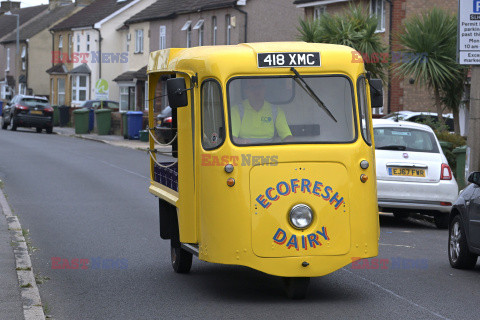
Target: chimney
52 4
83 3
9 6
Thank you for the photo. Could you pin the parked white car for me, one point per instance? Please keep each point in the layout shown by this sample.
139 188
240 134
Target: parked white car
413 175
421 117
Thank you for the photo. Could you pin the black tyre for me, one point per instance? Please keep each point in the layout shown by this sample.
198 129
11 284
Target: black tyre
181 259
458 254
14 125
39 130
401 215
441 220
296 288
49 129
4 124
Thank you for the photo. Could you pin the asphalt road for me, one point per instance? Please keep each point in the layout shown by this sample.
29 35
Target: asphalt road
83 199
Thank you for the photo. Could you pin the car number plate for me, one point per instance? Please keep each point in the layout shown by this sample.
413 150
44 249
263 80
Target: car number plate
36 112
288 59
407 172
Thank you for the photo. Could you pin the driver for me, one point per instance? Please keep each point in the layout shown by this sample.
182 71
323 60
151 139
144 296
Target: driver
255 120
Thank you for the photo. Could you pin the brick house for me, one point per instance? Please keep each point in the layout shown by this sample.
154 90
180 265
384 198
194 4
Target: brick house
401 94
180 24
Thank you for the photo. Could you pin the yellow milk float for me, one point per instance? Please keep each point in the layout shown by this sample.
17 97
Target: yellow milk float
274 165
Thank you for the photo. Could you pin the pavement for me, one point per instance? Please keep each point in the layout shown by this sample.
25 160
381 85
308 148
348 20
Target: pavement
19 296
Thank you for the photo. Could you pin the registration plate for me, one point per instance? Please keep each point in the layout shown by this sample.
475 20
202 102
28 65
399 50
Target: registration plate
288 59
36 112
407 172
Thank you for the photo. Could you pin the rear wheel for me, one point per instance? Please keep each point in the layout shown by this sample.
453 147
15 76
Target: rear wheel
181 259
441 220
458 254
401 215
296 288
14 124
4 124
39 130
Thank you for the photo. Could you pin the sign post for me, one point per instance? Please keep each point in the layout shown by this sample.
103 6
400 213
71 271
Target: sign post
468 53
101 89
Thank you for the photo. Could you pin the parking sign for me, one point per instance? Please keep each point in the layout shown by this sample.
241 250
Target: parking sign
468 49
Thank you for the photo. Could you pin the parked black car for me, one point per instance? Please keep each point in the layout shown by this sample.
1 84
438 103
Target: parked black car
464 226
28 111
164 124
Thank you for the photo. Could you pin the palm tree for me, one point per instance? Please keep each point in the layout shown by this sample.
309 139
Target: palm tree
451 96
434 36
355 28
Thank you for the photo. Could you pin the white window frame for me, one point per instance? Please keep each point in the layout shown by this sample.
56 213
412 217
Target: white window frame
214 30
126 88
77 88
8 61
318 11
61 93
127 42
78 43
228 31
88 42
200 28
189 37
146 96
139 41
69 47
376 7
60 42
162 37
52 91
24 58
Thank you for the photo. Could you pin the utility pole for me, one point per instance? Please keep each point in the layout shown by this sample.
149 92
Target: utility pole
473 140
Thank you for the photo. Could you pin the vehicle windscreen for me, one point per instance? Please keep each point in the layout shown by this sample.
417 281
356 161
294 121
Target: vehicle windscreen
32 102
276 110
405 139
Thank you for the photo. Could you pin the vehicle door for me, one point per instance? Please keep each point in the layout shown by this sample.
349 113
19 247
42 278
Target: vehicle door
473 208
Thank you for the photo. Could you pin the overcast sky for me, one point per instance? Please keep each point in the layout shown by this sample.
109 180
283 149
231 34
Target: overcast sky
29 3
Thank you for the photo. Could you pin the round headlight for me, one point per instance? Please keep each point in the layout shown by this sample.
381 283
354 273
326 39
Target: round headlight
301 216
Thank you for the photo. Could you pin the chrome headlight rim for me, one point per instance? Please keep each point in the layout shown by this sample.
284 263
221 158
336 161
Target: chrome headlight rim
293 211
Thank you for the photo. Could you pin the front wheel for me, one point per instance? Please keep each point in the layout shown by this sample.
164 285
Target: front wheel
4 124
181 259
296 288
458 254
14 124
39 130
49 130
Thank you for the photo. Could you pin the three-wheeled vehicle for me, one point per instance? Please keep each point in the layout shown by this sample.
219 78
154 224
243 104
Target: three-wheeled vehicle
273 158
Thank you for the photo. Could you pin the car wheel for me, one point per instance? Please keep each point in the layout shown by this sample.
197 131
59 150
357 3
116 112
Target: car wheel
181 259
458 254
49 129
14 124
441 220
39 130
401 215
296 288
4 124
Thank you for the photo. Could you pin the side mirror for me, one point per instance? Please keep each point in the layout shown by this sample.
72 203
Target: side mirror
474 177
177 92
376 93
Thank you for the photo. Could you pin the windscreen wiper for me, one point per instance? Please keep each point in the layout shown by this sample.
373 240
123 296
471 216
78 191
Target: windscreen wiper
392 147
301 82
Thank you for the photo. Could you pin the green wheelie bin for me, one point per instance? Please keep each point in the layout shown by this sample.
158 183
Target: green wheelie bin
81 120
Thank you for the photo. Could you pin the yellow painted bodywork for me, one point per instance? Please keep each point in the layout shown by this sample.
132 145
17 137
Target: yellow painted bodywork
226 222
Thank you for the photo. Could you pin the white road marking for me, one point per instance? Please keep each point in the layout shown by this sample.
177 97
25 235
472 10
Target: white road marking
395 245
396 295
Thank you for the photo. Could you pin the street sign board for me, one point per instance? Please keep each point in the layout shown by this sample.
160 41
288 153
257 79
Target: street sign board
469 32
101 89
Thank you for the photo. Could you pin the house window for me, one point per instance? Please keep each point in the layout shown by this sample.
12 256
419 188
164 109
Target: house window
8 60
146 95
318 11
78 43
228 20
199 27
214 30
24 58
163 37
60 44
123 98
60 91
377 9
79 88
51 91
88 42
127 41
139 41
188 27
70 47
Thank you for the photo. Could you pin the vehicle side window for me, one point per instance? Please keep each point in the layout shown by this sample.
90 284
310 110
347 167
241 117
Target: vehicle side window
213 124
364 109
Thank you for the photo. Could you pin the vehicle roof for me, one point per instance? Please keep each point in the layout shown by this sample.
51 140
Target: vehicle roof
400 123
217 60
34 97
408 114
